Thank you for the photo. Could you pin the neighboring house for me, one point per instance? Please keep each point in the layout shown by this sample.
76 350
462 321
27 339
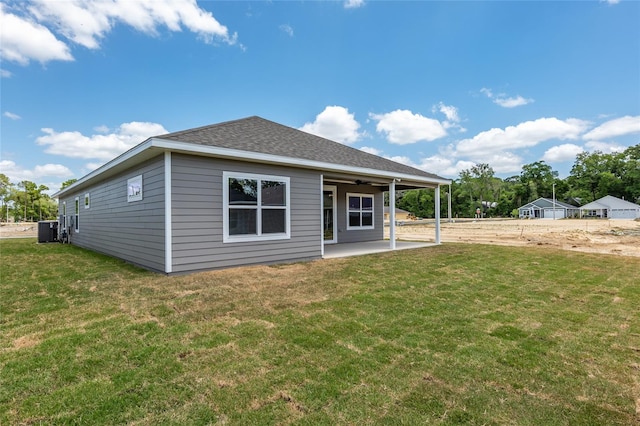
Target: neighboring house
242 192
612 208
545 208
400 214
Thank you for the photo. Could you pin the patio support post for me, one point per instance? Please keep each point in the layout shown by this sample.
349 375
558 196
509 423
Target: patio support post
437 211
321 215
449 203
392 215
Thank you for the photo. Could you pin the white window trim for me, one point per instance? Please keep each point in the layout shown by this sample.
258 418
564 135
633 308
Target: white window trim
373 209
259 237
76 218
87 200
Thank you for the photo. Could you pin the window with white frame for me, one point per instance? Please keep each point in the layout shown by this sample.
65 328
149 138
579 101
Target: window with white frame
76 221
87 200
359 211
256 207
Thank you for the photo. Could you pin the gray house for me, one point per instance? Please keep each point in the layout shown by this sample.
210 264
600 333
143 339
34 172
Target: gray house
545 208
242 192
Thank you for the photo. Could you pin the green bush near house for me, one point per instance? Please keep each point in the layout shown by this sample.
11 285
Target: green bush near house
454 334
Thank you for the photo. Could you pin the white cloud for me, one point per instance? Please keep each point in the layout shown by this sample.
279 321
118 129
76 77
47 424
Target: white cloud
4 73
444 166
353 4
16 173
335 123
453 118
287 29
505 101
86 23
101 129
404 127
101 147
23 40
611 2
402 160
617 127
449 111
371 150
11 115
91 166
512 102
527 134
560 153
604 147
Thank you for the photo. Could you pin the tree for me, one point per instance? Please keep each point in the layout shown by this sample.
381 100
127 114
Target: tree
5 193
537 180
480 183
68 182
630 173
596 174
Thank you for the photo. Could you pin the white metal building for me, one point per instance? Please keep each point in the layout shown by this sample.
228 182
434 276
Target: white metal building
610 207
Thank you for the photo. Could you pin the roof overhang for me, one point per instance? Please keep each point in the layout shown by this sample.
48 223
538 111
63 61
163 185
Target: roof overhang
155 146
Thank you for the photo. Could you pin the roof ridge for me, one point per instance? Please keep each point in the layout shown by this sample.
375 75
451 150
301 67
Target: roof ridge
205 127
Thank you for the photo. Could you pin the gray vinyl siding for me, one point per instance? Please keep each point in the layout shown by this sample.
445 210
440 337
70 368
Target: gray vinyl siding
133 231
360 235
197 229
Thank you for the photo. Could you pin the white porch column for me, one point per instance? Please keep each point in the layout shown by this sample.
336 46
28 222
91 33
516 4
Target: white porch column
437 208
321 215
392 215
168 221
449 203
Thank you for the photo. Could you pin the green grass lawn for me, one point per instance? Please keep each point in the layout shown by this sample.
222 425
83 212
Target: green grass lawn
455 334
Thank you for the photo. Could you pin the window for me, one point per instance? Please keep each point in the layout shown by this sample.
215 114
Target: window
134 188
76 221
256 207
87 201
359 211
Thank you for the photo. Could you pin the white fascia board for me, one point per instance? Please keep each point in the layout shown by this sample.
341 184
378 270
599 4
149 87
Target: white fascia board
288 161
106 167
236 154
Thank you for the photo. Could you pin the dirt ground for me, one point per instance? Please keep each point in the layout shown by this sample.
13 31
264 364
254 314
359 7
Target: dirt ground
619 236
19 230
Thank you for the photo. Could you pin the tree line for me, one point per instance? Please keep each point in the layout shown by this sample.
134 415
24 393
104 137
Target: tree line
26 201
592 176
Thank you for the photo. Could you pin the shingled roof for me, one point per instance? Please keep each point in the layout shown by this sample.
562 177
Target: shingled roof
257 139
258 135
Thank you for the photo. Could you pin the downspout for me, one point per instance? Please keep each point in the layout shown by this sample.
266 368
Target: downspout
437 211
168 239
392 215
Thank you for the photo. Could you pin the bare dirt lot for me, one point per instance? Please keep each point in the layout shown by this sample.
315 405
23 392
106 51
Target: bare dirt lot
619 236
19 230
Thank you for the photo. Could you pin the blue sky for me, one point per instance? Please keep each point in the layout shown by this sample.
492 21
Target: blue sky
437 85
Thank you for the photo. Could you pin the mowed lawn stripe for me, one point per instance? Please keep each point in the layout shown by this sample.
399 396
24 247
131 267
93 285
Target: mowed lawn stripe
444 335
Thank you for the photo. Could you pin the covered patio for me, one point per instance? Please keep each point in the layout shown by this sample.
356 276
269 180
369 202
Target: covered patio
353 213
334 251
